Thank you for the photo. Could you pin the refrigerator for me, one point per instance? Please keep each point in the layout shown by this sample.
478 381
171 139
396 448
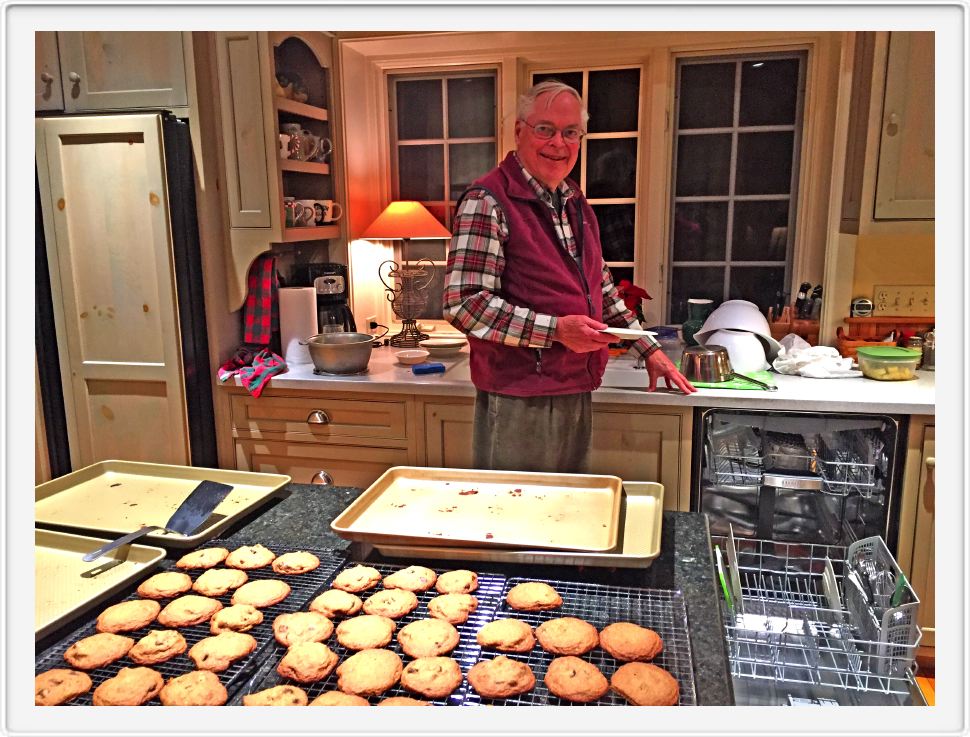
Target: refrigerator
120 332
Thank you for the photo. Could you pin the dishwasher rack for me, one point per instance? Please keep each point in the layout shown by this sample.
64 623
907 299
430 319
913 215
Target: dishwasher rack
801 617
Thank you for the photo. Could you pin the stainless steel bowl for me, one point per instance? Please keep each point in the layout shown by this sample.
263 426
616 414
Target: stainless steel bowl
340 353
709 364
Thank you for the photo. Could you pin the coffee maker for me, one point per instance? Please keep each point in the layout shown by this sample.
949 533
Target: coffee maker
330 282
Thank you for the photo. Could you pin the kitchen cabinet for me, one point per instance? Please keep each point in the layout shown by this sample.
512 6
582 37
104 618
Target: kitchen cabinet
253 108
917 529
110 70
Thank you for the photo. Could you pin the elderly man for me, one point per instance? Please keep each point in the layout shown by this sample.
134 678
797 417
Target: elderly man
527 283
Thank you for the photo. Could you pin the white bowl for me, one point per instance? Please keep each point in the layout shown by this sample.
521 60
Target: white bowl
746 351
411 357
739 314
443 347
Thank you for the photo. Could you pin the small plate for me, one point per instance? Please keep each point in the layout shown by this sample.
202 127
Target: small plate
627 333
443 347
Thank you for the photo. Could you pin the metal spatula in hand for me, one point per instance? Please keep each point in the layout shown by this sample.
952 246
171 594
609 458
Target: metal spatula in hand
190 514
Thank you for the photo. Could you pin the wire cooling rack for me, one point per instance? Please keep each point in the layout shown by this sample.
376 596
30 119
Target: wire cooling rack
302 587
663 611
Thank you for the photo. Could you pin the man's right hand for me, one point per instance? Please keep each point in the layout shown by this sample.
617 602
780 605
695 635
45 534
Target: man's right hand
580 333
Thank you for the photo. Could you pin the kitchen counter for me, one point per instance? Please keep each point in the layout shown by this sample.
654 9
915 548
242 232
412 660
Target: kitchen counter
624 384
303 518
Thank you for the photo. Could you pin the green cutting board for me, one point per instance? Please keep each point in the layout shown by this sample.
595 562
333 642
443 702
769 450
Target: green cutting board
764 376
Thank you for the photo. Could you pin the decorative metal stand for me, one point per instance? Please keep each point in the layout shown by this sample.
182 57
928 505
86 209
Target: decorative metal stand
407 296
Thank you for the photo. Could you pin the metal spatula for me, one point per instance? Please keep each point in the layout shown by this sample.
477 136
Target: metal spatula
190 514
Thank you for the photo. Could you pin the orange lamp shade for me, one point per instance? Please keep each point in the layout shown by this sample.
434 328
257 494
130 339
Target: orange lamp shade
405 219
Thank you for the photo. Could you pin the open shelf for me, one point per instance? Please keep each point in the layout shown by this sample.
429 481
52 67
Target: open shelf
305 167
322 232
284 104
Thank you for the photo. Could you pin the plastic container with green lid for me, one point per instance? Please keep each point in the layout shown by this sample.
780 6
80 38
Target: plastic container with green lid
888 363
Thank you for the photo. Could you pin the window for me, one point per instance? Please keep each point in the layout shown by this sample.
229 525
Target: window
737 133
443 137
606 170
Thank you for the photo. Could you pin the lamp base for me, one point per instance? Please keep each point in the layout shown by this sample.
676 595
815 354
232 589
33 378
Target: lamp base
409 337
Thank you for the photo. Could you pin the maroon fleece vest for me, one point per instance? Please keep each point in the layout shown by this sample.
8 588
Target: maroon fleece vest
541 275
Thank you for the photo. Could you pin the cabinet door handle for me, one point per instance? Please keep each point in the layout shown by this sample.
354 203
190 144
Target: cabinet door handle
318 417
74 77
46 78
892 126
322 478
929 486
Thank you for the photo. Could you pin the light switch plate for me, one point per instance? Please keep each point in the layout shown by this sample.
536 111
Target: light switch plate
904 301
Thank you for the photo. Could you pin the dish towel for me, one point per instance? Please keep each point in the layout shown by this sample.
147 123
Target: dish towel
254 369
261 313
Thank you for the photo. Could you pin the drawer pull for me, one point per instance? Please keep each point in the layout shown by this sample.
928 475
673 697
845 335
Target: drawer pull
318 417
322 477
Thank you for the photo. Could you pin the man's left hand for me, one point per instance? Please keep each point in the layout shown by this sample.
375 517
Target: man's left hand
659 365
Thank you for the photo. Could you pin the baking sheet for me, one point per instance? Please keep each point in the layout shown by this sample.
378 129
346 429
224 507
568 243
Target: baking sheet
637 546
65 586
114 498
463 507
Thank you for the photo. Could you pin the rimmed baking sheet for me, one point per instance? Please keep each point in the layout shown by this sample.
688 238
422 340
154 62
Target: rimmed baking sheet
65 586
464 507
114 498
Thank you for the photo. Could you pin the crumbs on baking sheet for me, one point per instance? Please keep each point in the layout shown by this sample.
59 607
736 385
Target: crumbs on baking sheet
489 535
447 509
399 506
516 492
466 492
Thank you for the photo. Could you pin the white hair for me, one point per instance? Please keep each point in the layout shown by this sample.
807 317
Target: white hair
554 88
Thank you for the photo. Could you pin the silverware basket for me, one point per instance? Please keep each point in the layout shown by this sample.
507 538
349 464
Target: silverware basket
801 617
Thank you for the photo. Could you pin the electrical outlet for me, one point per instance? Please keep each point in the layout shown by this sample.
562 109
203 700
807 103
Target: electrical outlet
371 319
900 301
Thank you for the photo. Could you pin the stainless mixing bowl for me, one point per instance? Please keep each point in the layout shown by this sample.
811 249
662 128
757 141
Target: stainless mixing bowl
340 353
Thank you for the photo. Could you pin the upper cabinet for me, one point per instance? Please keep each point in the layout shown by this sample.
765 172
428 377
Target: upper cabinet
275 94
81 71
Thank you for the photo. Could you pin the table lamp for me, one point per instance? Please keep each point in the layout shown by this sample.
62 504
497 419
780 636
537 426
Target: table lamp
406 284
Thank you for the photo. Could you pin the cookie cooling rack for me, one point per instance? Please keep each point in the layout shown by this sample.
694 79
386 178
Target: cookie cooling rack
302 587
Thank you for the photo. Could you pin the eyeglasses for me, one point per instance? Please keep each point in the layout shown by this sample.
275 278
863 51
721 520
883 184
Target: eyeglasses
546 131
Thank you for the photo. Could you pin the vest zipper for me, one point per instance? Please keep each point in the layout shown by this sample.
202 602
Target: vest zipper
538 360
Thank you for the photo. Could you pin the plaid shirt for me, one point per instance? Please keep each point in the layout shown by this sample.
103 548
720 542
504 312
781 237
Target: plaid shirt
474 281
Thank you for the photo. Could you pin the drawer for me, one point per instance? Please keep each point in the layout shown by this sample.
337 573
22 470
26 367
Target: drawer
349 465
318 418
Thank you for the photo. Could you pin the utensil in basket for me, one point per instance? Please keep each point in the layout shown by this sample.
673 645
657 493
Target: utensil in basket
191 513
901 586
723 579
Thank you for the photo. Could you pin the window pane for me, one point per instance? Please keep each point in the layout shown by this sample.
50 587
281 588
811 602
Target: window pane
769 90
419 112
699 231
760 231
703 164
621 272
757 284
690 282
764 163
421 172
706 95
467 162
471 107
436 250
573 79
612 167
617 230
614 99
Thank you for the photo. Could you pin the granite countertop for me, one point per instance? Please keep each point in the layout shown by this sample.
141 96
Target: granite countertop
303 517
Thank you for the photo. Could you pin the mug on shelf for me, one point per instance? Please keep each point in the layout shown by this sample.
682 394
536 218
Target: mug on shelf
289 211
285 145
326 211
304 213
324 149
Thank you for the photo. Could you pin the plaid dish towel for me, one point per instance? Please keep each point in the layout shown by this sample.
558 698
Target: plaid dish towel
261 314
254 369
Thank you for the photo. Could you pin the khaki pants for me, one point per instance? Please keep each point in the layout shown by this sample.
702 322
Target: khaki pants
548 434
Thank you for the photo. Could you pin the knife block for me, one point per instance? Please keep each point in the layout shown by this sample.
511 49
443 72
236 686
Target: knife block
785 324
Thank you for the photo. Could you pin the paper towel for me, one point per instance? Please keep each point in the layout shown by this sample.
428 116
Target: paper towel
298 321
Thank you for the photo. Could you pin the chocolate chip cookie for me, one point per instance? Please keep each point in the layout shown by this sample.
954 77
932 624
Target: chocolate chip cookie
219 581
507 635
645 684
393 603
188 610
128 616
365 632
307 662
235 618
628 641
263 593
165 585
218 652
336 603
296 627
369 672
277 696
157 647
357 579
98 650
567 636
59 685
131 687
428 637
403 701
293 564
434 678
533 596
412 578
205 558
195 688
339 698
574 679
457 582
501 678
453 608
250 556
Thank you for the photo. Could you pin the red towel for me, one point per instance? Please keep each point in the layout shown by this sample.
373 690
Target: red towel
261 314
